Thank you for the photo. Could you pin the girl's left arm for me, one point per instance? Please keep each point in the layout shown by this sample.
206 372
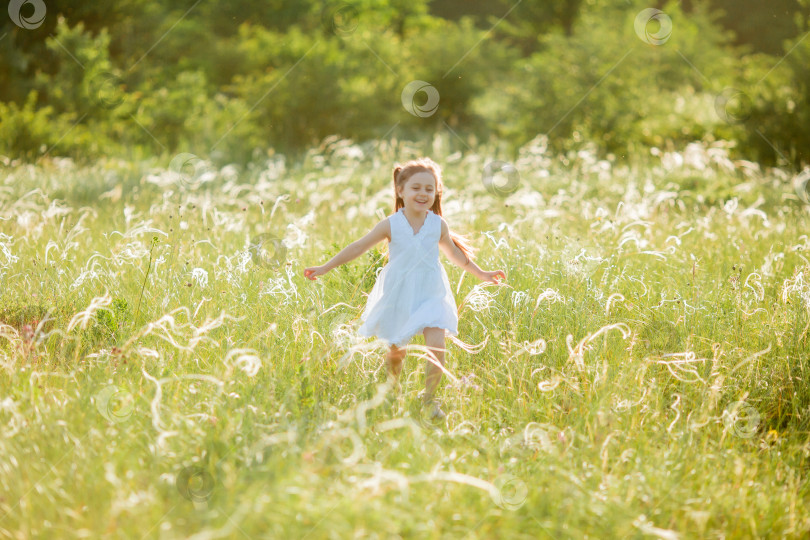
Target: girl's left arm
458 257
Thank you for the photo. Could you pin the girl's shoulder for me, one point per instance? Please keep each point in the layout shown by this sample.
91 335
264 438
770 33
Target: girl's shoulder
381 231
391 223
393 218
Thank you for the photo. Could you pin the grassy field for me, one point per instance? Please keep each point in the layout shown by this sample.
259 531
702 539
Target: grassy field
167 372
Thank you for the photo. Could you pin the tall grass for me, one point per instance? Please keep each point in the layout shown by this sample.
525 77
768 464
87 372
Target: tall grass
641 373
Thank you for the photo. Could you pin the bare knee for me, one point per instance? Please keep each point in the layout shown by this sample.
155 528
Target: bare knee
434 340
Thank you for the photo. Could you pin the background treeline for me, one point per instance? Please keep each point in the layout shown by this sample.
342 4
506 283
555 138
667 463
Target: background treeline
228 80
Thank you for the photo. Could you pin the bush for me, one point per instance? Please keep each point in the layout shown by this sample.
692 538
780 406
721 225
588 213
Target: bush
776 129
606 84
30 131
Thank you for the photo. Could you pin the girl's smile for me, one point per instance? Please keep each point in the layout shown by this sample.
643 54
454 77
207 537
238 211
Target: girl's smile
419 192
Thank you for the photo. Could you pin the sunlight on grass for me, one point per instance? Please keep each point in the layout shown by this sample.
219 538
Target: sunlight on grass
168 371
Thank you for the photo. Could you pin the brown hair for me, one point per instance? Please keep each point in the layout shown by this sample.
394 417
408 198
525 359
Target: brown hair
402 172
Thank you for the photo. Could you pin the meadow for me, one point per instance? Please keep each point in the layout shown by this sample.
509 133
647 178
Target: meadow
166 371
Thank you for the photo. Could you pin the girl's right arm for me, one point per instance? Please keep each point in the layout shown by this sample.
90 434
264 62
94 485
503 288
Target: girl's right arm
380 232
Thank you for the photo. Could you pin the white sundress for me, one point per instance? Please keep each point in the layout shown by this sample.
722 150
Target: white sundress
412 291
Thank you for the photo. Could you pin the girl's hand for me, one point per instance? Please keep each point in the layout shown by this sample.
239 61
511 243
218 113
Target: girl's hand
314 272
492 277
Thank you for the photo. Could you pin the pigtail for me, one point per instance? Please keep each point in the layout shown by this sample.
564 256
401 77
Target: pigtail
398 202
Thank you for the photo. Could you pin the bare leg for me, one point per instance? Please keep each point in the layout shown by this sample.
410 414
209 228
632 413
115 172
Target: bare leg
394 360
434 340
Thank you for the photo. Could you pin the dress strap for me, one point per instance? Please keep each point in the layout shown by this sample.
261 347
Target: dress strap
437 228
397 222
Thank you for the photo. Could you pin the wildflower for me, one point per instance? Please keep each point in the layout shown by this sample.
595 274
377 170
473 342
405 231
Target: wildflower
28 332
467 381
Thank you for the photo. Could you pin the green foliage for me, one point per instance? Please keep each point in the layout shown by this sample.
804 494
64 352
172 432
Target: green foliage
516 23
24 131
764 26
461 62
111 324
360 276
19 314
227 81
596 84
776 130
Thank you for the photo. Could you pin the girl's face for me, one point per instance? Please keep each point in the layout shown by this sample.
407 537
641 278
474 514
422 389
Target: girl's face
419 191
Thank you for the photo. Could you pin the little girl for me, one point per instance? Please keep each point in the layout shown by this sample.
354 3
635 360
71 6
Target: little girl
412 293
